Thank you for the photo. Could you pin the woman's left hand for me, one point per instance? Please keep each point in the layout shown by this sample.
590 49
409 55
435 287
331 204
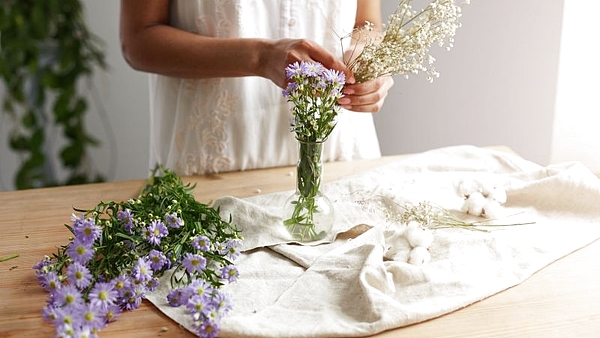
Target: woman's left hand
367 96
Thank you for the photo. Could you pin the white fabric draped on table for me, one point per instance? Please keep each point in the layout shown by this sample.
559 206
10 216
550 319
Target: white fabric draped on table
344 287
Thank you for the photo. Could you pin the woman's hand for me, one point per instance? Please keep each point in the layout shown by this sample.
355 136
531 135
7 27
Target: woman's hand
368 96
283 52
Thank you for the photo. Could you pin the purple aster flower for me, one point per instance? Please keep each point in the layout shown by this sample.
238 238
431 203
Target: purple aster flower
86 230
103 295
112 313
134 298
229 273
155 231
152 284
126 217
178 297
174 221
121 284
222 302
49 281
292 70
291 87
79 275
197 304
157 260
312 69
194 262
334 77
142 271
201 243
67 296
232 248
93 317
67 318
200 287
208 329
80 251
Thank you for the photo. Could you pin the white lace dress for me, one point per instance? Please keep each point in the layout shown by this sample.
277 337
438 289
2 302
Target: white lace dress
225 124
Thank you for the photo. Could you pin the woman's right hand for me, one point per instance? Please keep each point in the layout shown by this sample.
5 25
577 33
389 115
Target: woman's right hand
280 53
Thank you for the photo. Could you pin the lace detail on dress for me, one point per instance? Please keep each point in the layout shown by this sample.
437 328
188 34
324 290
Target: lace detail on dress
203 135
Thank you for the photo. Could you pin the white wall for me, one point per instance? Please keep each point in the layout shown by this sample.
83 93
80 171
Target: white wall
497 86
577 117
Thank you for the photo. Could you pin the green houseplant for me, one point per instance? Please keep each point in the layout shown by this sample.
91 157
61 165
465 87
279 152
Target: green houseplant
46 50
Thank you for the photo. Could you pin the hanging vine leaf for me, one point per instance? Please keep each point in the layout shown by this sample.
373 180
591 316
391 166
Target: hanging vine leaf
46 49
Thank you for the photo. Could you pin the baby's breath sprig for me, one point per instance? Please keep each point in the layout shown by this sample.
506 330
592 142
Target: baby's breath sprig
425 213
406 42
119 249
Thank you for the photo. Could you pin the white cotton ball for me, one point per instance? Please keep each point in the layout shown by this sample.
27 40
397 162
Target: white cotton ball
396 245
419 255
492 209
467 187
474 204
498 194
419 236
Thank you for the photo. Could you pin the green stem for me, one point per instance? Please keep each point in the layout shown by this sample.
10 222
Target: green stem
9 257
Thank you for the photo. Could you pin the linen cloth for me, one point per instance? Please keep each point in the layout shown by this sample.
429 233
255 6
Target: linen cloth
344 286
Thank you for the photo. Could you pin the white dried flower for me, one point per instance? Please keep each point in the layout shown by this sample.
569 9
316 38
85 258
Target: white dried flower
407 39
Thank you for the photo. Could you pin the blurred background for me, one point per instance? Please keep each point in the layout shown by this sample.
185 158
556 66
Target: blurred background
522 73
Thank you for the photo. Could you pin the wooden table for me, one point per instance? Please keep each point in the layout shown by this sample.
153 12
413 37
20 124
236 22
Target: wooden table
561 300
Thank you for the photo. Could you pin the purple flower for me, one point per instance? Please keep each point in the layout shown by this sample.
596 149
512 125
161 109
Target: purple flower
194 262
294 69
49 281
200 287
197 304
66 318
93 317
142 271
79 275
155 231
126 217
222 302
291 87
157 260
121 284
133 298
208 329
112 313
334 77
229 273
103 295
67 296
311 69
86 230
201 243
174 221
178 297
231 249
80 251
152 284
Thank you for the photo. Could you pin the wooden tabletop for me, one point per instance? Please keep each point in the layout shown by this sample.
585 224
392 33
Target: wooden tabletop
561 300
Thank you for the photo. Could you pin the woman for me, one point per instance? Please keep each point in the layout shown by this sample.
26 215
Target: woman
216 102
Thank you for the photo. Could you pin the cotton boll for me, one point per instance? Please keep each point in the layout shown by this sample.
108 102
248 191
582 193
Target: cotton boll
419 236
474 204
492 209
419 255
497 194
397 247
467 187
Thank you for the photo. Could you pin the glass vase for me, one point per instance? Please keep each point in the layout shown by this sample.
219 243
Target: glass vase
308 214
